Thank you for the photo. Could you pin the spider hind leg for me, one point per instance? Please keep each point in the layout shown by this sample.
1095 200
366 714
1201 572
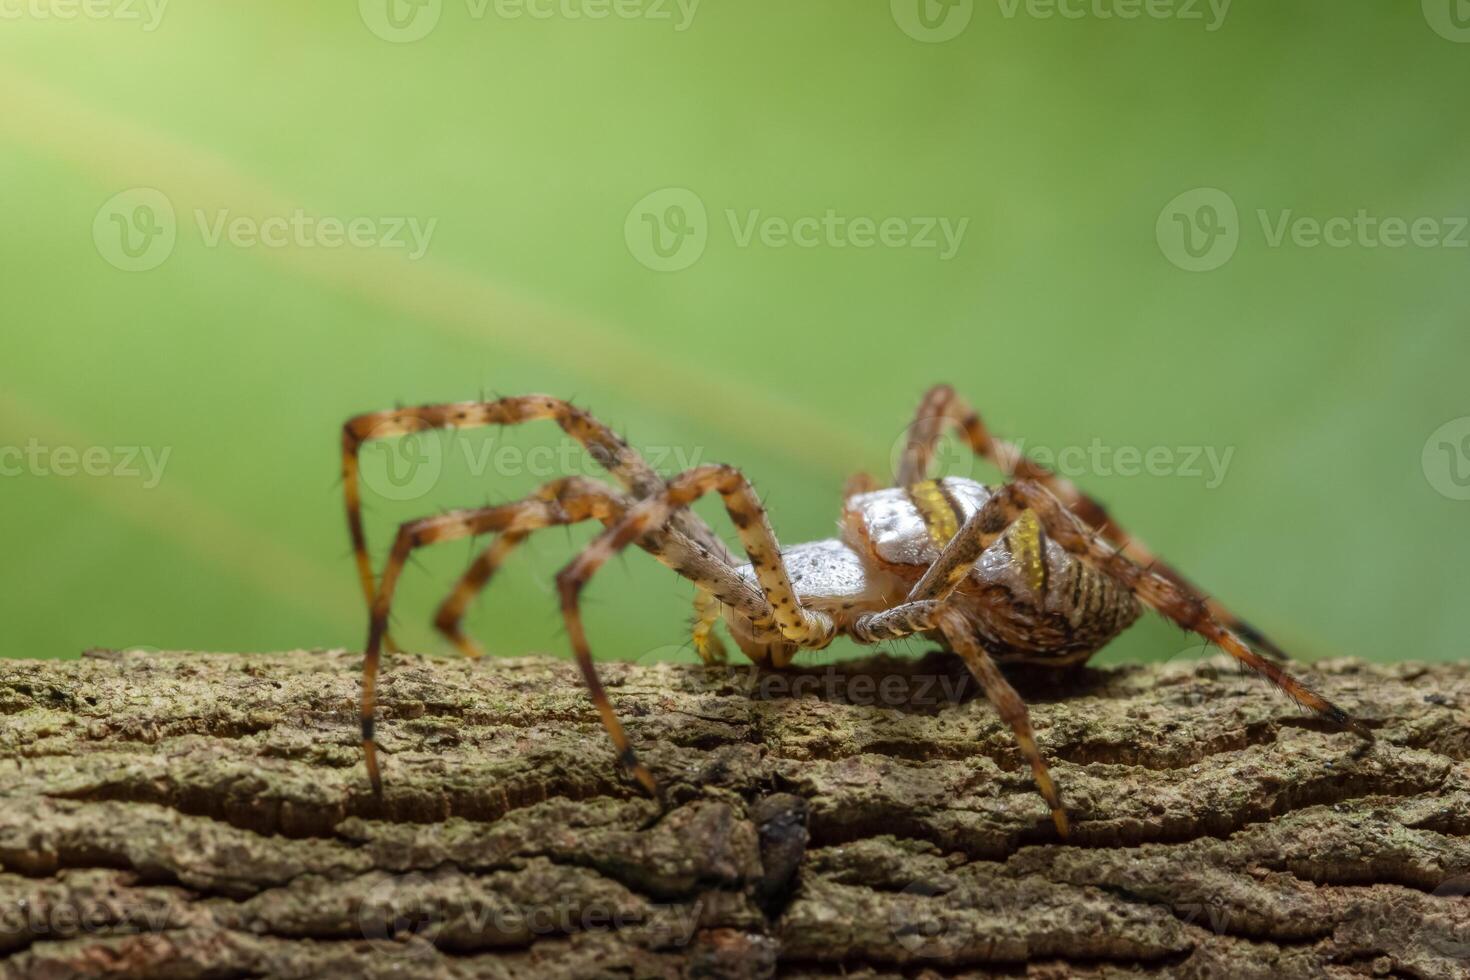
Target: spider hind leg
942 407
1163 594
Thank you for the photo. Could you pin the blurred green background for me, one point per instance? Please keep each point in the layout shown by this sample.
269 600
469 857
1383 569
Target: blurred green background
539 148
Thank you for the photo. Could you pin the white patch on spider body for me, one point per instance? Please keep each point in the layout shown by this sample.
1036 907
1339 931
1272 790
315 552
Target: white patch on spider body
826 572
897 534
895 528
842 576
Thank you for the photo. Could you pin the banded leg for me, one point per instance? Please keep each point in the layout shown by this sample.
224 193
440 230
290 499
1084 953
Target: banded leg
795 624
1008 705
517 519
580 499
1165 596
895 623
452 610
602 444
942 406
926 615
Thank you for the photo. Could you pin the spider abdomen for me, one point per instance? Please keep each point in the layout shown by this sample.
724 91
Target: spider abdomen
1026 596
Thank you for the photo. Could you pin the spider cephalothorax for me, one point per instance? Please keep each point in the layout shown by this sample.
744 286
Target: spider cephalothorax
1031 570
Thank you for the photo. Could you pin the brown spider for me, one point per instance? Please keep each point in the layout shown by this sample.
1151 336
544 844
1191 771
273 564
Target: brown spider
1030 571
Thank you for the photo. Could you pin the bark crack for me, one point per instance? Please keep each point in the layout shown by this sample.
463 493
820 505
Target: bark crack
206 815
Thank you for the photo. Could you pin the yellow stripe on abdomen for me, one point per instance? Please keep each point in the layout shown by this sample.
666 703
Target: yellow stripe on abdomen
938 513
1028 548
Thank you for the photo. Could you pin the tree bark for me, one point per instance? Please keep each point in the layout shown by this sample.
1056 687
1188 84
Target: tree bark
194 815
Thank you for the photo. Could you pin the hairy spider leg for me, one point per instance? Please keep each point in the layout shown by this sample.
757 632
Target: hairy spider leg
552 506
586 500
1008 704
942 406
797 625
580 499
924 615
606 447
1010 507
517 518
1010 503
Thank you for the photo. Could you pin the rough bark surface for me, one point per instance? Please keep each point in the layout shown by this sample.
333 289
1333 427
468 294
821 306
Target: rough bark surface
194 815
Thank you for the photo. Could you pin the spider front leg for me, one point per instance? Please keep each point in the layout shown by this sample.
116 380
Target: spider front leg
796 625
580 499
943 407
564 502
607 448
583 500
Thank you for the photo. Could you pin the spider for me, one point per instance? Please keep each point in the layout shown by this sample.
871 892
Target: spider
1029 571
